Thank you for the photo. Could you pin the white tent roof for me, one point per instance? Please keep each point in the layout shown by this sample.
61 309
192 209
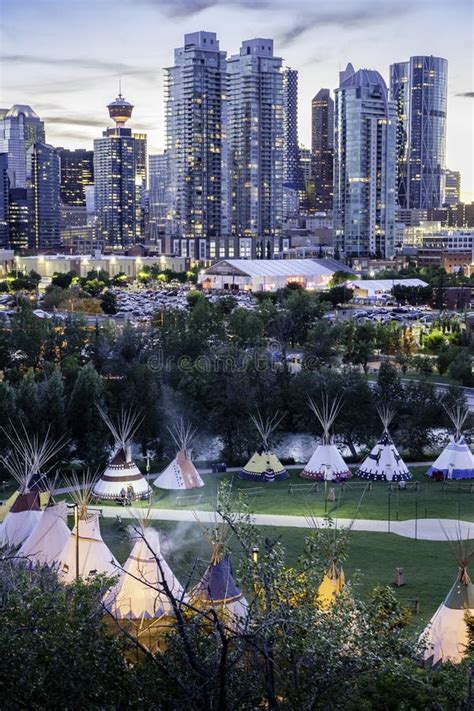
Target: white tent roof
139 593
21 519
48 538
180 474
384 463
326 462
456 460
384 285
94 556
120 473
271 267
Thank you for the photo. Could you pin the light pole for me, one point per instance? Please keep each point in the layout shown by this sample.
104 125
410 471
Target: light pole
76 528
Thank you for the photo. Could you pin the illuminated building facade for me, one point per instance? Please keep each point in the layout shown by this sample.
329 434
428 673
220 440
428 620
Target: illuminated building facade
256 147
195 97
44 203
322 149
77 172
4 191
157 197
452 192
364 165
18 219
419 88
117 170
20 128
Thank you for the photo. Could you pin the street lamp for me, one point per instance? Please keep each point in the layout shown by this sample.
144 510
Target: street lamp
76 527
255 552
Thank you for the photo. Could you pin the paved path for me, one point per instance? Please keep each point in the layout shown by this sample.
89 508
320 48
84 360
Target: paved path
426 529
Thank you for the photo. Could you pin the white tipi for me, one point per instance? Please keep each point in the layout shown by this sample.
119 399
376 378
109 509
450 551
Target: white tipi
456 460
121 474
384 463
145 585
85 554
26 463
49 536
326 462
446 635
181 473
264 465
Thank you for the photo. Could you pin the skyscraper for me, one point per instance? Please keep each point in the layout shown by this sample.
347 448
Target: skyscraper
18 218
322 149
115 174
364 165
157 196
255 135
20 127
419 88
195 96
292 176
77 171
44 203
452 194
4 199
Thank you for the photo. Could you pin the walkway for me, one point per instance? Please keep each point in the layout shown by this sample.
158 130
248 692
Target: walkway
426 529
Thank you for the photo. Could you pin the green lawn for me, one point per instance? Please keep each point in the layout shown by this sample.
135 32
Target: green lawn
429 502
429 567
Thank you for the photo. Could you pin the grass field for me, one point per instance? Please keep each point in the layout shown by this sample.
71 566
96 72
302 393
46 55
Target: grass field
430 567
430 501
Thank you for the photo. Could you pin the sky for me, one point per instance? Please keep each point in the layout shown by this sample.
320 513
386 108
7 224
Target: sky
64 57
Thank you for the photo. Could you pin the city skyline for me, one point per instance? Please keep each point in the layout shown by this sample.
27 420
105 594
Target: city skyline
70 85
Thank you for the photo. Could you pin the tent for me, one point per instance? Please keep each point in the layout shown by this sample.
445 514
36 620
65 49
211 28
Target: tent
264 465
446 635
85 554
121 474
27 458
456 460
384 463
218 590
181 473
142 593
49 536
331 585
326 462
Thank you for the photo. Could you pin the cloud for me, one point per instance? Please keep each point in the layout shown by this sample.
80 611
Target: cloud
188 8
86 121
79 62
466 94
346 17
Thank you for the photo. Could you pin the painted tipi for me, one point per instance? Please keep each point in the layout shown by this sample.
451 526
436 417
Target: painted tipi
217 590
456 460
446 635
326 462
29 455
264 465
181 473
85 554
384 463
146 583
121 474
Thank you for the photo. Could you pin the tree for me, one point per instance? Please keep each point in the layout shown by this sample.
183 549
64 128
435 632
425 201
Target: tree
52 404
62 280
246 327
460 369
85 425
108 302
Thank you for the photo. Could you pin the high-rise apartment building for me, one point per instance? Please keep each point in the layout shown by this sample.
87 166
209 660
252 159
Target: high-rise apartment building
419 88
77 171
322 149
20 128
115 180
364 165
195 97
452 193
44 203
292 177
4 199
256 143
158 171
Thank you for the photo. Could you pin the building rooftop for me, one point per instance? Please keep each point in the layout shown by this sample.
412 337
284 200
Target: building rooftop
24 109
271 267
